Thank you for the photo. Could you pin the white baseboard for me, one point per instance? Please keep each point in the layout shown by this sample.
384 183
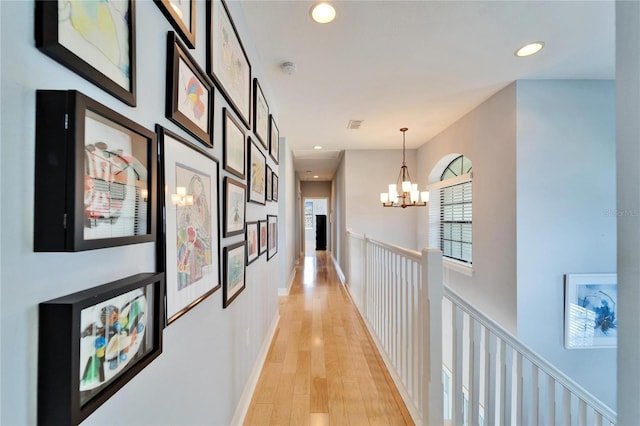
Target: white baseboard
245 399
286 291
341 276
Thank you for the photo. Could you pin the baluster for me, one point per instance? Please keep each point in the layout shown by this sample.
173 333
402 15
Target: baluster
519 392
551 401
457 321
474 386
490 377
566 406
535 400
582 413
503 382
507 370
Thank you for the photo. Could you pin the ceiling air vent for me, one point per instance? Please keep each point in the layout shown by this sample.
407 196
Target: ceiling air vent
354 124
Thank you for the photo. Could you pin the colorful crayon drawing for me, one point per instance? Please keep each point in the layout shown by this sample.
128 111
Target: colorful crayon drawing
98 32
193 98
112 333
193 227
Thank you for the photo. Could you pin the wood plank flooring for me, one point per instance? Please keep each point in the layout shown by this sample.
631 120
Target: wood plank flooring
322 367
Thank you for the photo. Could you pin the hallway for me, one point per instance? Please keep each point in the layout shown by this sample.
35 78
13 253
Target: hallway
322 367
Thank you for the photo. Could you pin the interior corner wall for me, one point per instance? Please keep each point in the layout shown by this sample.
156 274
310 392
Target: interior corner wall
487 135
628 205
566 190
338 212
363 212
287 225
209 353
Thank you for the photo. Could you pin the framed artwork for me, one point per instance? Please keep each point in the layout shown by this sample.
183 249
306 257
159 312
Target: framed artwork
272 236
252 242
262 238
191 234
189 92
274 139
94 39
274 187
257 173
91 343
181 14
234 145
234 269
269 184
591 311
95 175
234 207
227 61
260 115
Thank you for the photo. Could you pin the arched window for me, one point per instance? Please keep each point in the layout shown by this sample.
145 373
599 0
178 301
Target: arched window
452 212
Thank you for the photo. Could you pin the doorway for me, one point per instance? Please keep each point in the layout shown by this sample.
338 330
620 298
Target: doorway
315 225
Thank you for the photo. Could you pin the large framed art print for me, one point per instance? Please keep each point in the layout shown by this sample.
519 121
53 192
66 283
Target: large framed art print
189 92
95 175
257 174
191 235
591 311
91 343
95 39
260 115
227 61
234 207
234 272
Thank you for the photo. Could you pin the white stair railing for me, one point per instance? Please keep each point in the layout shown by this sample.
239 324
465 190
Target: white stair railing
494 379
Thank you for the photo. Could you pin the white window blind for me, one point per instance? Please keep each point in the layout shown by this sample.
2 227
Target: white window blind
455 212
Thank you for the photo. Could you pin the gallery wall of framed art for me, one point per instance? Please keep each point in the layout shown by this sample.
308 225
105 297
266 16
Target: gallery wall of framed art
107 165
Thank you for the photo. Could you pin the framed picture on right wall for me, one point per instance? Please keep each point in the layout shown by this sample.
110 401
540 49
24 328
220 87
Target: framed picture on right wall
272 236
591 311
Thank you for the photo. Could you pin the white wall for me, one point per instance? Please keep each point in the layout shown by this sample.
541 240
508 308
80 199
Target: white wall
287 222
339 249
487 135
367 174
199 377
628 178
566 190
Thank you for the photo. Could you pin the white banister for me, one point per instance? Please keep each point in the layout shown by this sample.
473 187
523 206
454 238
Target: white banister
495 379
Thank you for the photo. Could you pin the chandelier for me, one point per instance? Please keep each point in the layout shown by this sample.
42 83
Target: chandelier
410 196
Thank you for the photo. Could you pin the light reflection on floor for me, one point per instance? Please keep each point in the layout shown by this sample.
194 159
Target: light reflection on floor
309 269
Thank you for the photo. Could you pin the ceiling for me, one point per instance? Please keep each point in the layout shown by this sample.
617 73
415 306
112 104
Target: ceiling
416 64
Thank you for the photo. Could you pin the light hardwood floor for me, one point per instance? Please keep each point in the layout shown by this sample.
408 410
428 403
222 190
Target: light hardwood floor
322 367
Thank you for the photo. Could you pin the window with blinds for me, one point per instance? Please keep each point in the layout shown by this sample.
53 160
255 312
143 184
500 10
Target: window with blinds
456 221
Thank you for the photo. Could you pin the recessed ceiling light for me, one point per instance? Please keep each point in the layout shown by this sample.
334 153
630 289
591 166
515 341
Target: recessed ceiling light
530 49
323 13
317 147
316 177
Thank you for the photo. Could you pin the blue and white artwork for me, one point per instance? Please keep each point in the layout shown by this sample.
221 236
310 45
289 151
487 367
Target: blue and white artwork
591 317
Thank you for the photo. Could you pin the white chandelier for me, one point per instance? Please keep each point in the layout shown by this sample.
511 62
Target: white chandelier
410 195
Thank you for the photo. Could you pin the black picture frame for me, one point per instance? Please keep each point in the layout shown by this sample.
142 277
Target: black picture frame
262 237
57 38
193 272
233 137
272 236
95 175
234 207
234 272
252 238
73 380
186 29
269 184
260 115
256 180
194 115
223 41
274 187
274 139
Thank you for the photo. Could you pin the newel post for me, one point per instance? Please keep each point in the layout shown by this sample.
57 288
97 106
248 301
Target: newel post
431 308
